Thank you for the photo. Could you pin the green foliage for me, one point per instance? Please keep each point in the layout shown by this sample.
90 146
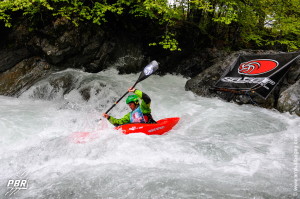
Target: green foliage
160 11
235 22
168 42
226 12
73 10
93 11
27 7
269 22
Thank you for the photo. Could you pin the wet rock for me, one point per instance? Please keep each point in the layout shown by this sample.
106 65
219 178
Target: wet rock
130 64
86 93
197 62
64 83
88 48
56 50
10 57
66 46
23 75
128 56
101 60
294 73
202 83
289 100
253 99
55 86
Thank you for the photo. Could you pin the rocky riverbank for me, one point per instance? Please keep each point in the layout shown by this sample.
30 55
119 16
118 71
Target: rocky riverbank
28 56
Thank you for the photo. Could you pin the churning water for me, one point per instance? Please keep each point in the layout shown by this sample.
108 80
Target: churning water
217 150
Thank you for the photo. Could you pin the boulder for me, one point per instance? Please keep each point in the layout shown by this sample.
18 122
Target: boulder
289 100
23 75
196 62
201 83
88 48
10 57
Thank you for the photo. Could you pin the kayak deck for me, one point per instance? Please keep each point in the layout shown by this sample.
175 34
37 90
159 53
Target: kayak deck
162 126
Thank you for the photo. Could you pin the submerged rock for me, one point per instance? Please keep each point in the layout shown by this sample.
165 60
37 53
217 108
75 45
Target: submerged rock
56 85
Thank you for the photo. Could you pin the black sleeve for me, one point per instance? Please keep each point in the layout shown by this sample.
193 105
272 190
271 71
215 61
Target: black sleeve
146 98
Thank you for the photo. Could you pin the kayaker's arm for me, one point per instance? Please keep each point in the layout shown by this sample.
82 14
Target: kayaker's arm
142 96
124 120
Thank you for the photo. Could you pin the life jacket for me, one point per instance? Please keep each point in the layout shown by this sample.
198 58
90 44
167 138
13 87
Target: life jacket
137 116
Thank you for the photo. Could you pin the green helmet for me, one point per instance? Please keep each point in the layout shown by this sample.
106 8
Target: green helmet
132 98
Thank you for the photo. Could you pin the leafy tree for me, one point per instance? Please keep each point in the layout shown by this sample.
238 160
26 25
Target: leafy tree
237 23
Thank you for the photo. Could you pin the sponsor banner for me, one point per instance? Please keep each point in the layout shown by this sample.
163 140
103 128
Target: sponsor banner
259 73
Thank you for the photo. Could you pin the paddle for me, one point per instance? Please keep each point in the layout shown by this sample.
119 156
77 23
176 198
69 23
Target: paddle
83 137
148 70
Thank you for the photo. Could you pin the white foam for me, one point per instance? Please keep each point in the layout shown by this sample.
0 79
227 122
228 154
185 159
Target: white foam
218 149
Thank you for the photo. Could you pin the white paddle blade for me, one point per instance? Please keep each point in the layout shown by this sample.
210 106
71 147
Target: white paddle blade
151 68
148 70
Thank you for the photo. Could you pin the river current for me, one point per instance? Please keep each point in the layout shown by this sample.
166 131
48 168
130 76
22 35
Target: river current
217 150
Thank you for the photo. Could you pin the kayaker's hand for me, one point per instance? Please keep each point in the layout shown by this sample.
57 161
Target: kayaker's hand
105 115
131 90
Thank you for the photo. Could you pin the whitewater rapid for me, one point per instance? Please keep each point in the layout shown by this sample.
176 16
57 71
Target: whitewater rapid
218 149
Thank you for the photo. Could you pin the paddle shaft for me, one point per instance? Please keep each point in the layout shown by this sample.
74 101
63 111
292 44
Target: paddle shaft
148 70
121 98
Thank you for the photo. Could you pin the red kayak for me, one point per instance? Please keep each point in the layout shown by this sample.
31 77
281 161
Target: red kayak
159 128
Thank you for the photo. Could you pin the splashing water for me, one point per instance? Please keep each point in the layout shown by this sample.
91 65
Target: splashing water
218 149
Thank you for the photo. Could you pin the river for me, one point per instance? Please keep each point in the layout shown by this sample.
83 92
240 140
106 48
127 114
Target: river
217 150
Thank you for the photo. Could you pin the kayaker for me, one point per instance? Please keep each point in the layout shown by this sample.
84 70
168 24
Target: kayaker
141 113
